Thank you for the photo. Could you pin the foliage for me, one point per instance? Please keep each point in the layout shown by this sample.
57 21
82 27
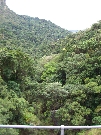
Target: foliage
62 87
36 36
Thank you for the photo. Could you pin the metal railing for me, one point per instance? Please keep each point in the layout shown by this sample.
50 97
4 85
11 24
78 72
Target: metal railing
62 127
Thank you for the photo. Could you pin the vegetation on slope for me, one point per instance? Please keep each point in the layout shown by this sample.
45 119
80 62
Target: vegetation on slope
63 88
34 35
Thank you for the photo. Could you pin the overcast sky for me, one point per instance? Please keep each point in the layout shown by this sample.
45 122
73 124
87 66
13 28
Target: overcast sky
68 14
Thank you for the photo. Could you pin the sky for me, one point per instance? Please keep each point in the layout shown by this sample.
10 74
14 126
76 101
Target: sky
68 14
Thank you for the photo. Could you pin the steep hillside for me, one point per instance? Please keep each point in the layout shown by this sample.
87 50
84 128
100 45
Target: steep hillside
33 34
63 88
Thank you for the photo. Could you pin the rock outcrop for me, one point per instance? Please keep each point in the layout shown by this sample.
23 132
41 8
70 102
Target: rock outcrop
2 2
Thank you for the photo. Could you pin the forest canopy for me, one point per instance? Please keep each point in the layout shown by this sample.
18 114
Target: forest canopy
48 75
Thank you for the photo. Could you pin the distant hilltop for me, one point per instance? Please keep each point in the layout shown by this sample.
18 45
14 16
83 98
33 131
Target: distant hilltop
74 31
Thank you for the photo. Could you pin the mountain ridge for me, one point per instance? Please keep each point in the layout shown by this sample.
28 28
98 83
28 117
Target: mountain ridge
33 34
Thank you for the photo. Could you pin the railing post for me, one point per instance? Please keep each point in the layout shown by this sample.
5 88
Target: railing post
62 129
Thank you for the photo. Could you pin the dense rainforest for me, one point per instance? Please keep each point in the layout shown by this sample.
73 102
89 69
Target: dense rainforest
33 35
48 75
